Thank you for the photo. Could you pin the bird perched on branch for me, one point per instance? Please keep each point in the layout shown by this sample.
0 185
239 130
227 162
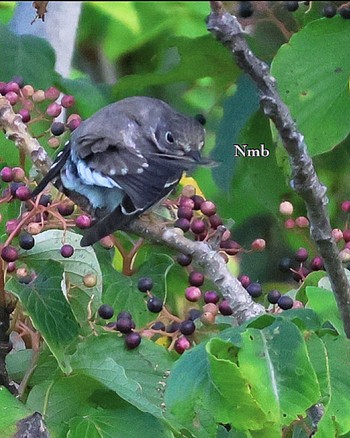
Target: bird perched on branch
124 160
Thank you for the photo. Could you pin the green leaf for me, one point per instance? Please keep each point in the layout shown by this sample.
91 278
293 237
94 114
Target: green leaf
116 423
18 362
83 261
11 411
313 79
134 375
48 308
28 56
256 369
322 301
311 280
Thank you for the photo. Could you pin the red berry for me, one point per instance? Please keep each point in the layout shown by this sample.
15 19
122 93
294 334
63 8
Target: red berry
345 206
67 250
346 235
67 101
182 344
54 109
83 221
208 208
9 253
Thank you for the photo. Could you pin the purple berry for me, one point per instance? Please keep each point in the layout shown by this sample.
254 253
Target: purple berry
12 87
9 253
106 311
124 314
254 290
317 264
215 221
273 296
193 294
196 278
301 255
198 226
12 97
6 174
67 101
73 124
183 224
187 327
194 314
83 221
185 213
211 297
198 201
184 259
158 325
11 267
173 327
208 208
67 250
125 325
145 284
225 308
155 304
45 200
26 241
19 81
25 114
188 202
54 110
132 340
182 344
231 247
285 302
52 93
65 209
23 193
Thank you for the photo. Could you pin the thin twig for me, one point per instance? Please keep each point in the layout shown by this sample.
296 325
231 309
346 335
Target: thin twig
305 182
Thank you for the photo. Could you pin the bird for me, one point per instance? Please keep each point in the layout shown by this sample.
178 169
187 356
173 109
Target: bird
124 160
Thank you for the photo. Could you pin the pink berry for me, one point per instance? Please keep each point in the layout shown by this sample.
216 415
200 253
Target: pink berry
302 222
301 255
11 225
18 174
289 224
38 96
67 101
286 208
193 294
9 253
73 124
182 344
25 114
258 245
186 202
208 208
346 235
12 97
67 250
83 221
6 174
316 264
337 234
12 87
54 109
27 91
52 93
28 105
345 206
245 280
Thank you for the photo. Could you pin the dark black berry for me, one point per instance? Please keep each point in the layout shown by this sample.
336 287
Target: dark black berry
26 279
187 327
225 308
124 314
245 9
344 12
285 302
132 340
184 259
254 290
194 314
273 296
173 327
14 186
291 6
158 325
105 311
196 279
155 304
329 10
285 264
125 325
145 284
57 128
45 200
65 209
26 241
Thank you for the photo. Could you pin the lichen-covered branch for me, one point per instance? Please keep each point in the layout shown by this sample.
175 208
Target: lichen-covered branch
204 255
228 31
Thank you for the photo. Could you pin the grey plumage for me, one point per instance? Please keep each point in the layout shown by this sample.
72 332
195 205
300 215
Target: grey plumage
125 159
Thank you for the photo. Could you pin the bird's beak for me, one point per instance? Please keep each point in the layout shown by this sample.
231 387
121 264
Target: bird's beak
195 155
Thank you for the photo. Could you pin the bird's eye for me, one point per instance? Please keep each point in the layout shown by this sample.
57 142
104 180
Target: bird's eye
169 137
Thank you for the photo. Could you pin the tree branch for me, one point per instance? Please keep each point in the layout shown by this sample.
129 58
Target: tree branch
208 258
305 182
